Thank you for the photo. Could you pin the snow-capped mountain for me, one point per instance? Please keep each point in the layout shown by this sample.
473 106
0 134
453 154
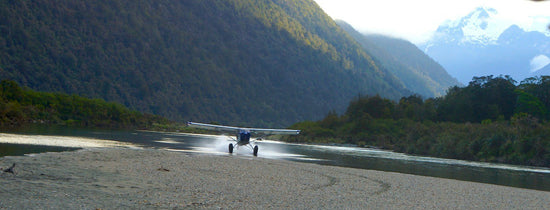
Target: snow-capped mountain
481 44
477 27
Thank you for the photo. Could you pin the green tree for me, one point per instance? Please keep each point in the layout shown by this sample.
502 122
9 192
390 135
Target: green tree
527 103
538 87
376 107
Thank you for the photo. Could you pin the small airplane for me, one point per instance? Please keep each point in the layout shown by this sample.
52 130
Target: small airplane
243 134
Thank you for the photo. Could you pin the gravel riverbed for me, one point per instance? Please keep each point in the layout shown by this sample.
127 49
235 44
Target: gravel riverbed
129 178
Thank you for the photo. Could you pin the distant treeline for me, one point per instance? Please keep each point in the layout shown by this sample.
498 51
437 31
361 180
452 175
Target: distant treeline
491 120
20 106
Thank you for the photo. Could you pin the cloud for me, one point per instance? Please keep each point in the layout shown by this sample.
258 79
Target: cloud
539 62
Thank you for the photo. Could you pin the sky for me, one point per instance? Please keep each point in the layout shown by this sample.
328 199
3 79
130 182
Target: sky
416 20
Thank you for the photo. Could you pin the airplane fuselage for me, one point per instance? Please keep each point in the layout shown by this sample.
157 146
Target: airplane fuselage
243 137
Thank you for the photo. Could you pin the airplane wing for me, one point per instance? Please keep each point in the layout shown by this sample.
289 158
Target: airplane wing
224 128
266 131
213 127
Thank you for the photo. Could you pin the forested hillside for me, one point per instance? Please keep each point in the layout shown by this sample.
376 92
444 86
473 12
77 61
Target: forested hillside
419 73
243 62
492 119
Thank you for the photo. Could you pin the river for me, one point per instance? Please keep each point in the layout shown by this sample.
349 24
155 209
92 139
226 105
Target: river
346 156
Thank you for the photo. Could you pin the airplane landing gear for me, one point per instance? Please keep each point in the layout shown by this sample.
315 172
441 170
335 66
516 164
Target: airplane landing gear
230 148
255 150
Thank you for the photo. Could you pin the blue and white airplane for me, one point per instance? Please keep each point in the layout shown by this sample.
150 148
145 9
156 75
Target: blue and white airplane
243 134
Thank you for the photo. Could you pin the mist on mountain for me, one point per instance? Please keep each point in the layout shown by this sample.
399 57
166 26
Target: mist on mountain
419 73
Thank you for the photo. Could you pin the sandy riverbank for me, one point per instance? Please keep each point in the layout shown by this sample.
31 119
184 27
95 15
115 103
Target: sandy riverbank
110 178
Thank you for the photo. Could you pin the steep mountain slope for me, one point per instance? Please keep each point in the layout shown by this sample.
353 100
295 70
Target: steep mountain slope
477 45
419 72
260 63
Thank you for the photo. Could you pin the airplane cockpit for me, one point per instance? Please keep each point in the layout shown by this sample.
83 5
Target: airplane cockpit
243 137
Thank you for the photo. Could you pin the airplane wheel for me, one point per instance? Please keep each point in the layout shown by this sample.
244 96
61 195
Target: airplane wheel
256 150
230 148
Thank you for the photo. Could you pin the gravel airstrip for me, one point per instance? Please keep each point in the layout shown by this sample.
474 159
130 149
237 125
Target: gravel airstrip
133 178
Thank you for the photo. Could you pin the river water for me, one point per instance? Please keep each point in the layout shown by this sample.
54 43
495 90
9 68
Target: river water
346 156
